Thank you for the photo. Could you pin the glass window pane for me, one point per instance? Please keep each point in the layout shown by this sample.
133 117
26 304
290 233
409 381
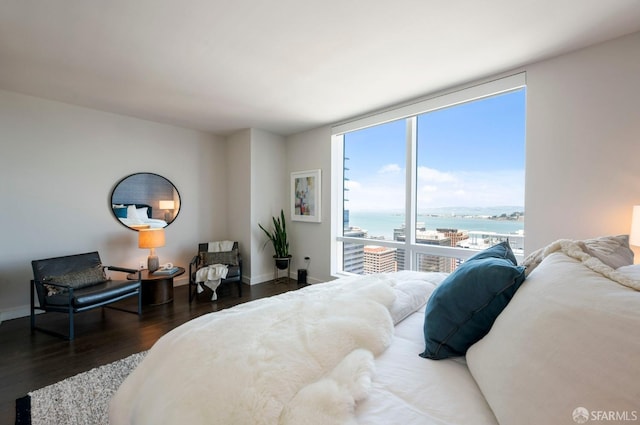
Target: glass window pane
436 263
369 259
374 180
470 173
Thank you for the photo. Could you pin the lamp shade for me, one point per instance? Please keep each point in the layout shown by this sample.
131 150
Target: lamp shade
167 205
634 235
150 238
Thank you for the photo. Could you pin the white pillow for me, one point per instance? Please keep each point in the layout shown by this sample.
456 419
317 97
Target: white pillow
613 251
410 296
131 212
632 271
142 213
569 339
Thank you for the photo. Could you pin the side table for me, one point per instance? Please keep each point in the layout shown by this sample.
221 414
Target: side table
156 288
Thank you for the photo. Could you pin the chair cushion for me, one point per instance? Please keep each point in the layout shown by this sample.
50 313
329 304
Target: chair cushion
97 293
224 257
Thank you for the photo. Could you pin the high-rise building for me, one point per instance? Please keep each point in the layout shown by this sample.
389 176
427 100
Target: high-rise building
379 259
353 253
441 237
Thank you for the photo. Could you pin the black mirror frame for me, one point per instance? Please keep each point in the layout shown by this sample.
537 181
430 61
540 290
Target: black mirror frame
111 203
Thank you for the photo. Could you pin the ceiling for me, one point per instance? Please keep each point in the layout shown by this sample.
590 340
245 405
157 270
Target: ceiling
282 65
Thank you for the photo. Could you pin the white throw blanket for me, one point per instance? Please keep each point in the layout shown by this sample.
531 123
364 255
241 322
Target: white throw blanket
220 246
574 250
299 359
211 277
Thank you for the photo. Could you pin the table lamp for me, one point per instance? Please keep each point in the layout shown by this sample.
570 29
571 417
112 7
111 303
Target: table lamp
152 239
167 206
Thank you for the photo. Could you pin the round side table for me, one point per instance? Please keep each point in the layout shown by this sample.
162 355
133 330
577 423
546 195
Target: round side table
156 288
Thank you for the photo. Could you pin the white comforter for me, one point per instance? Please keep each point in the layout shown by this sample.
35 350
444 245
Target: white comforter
280 360
305 357
153 223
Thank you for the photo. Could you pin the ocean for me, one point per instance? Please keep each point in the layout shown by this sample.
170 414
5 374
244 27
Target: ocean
381 224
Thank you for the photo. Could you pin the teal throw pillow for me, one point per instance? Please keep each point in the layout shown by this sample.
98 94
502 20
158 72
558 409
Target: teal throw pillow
464 306
501 250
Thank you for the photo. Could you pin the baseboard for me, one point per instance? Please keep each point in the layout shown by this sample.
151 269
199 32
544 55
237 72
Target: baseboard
266 277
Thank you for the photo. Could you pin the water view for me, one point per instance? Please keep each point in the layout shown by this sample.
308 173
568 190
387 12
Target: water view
381 224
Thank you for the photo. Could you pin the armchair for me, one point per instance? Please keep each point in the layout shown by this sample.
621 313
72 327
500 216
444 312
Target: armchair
231 259
77 283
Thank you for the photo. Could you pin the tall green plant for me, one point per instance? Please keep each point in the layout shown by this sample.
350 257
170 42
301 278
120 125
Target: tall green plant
278 236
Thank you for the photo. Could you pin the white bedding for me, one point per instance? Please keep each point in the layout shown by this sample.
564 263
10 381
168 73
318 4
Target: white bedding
153 223
566 345
196 373
410 390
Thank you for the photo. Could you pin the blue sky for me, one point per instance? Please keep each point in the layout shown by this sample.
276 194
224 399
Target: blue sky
468 155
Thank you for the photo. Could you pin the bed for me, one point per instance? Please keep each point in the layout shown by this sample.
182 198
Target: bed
137 216
562 348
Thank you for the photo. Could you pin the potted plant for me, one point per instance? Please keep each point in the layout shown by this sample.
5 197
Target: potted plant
278 238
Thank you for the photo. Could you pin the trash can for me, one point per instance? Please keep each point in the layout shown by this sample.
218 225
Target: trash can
302 276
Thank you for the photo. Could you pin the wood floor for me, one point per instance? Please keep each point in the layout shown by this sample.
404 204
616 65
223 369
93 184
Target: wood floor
29 362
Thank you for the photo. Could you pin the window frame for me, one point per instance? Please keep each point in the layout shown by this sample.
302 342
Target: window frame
409 112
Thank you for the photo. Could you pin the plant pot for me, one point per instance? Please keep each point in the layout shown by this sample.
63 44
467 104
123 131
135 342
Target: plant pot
282 263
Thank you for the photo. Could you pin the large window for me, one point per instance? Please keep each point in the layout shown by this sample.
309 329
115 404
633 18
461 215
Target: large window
428 185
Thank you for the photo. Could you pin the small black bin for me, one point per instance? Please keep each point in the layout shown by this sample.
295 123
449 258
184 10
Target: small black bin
302 276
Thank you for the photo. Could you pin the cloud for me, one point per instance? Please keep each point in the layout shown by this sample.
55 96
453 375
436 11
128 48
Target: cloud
352 184
436 188
481 189
429 188
390 168
431 175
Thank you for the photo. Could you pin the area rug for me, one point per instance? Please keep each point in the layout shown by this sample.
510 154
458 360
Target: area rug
80 399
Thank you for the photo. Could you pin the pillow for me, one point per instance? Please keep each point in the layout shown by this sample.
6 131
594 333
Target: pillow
464 306
76 280
143 213
410 296
501 250
614 251
120 212
224 257
131 212
569 338
632 271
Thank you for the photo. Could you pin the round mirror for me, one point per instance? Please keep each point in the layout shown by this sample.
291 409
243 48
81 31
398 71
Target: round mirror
145 201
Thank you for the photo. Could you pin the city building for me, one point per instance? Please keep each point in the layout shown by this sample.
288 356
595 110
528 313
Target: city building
379 259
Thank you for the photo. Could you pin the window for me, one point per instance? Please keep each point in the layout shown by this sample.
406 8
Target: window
427 185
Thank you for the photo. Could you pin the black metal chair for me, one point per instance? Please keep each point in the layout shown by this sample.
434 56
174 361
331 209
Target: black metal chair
77 283
232 259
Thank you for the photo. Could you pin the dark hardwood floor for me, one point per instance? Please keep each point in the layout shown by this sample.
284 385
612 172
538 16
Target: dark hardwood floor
32 361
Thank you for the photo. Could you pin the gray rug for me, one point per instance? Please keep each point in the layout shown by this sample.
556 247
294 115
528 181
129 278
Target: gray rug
83 398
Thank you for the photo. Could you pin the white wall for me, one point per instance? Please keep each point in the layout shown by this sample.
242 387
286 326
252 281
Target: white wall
269 194
583 143
238 200
58 166
308 151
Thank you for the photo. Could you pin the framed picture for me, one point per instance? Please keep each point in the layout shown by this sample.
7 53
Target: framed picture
305 196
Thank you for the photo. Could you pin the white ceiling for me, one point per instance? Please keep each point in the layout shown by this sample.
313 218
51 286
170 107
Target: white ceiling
281 65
